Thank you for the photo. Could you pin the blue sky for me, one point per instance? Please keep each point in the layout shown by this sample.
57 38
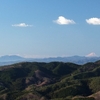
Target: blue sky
49 28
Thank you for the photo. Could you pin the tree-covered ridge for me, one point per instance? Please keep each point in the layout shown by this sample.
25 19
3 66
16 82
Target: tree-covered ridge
49 81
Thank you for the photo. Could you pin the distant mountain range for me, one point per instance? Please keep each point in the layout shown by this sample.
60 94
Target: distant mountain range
6 60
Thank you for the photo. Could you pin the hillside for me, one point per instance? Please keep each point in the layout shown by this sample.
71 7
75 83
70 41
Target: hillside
49 81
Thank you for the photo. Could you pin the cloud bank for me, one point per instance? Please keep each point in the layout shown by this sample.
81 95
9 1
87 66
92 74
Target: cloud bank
21 25
63 21
93 21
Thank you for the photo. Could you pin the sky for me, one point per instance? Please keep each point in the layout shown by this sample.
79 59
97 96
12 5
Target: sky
49 28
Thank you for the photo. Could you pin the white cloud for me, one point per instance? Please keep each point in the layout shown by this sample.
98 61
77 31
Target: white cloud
21 25
63 21
93 21
92 54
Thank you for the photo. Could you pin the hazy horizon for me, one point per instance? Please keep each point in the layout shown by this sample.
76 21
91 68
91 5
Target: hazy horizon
88 55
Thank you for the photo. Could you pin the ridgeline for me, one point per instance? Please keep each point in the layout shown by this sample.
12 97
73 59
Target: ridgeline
50 81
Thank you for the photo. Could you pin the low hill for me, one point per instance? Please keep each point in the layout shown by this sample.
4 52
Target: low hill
49 81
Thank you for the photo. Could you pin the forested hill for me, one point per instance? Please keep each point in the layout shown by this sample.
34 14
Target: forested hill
50 81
